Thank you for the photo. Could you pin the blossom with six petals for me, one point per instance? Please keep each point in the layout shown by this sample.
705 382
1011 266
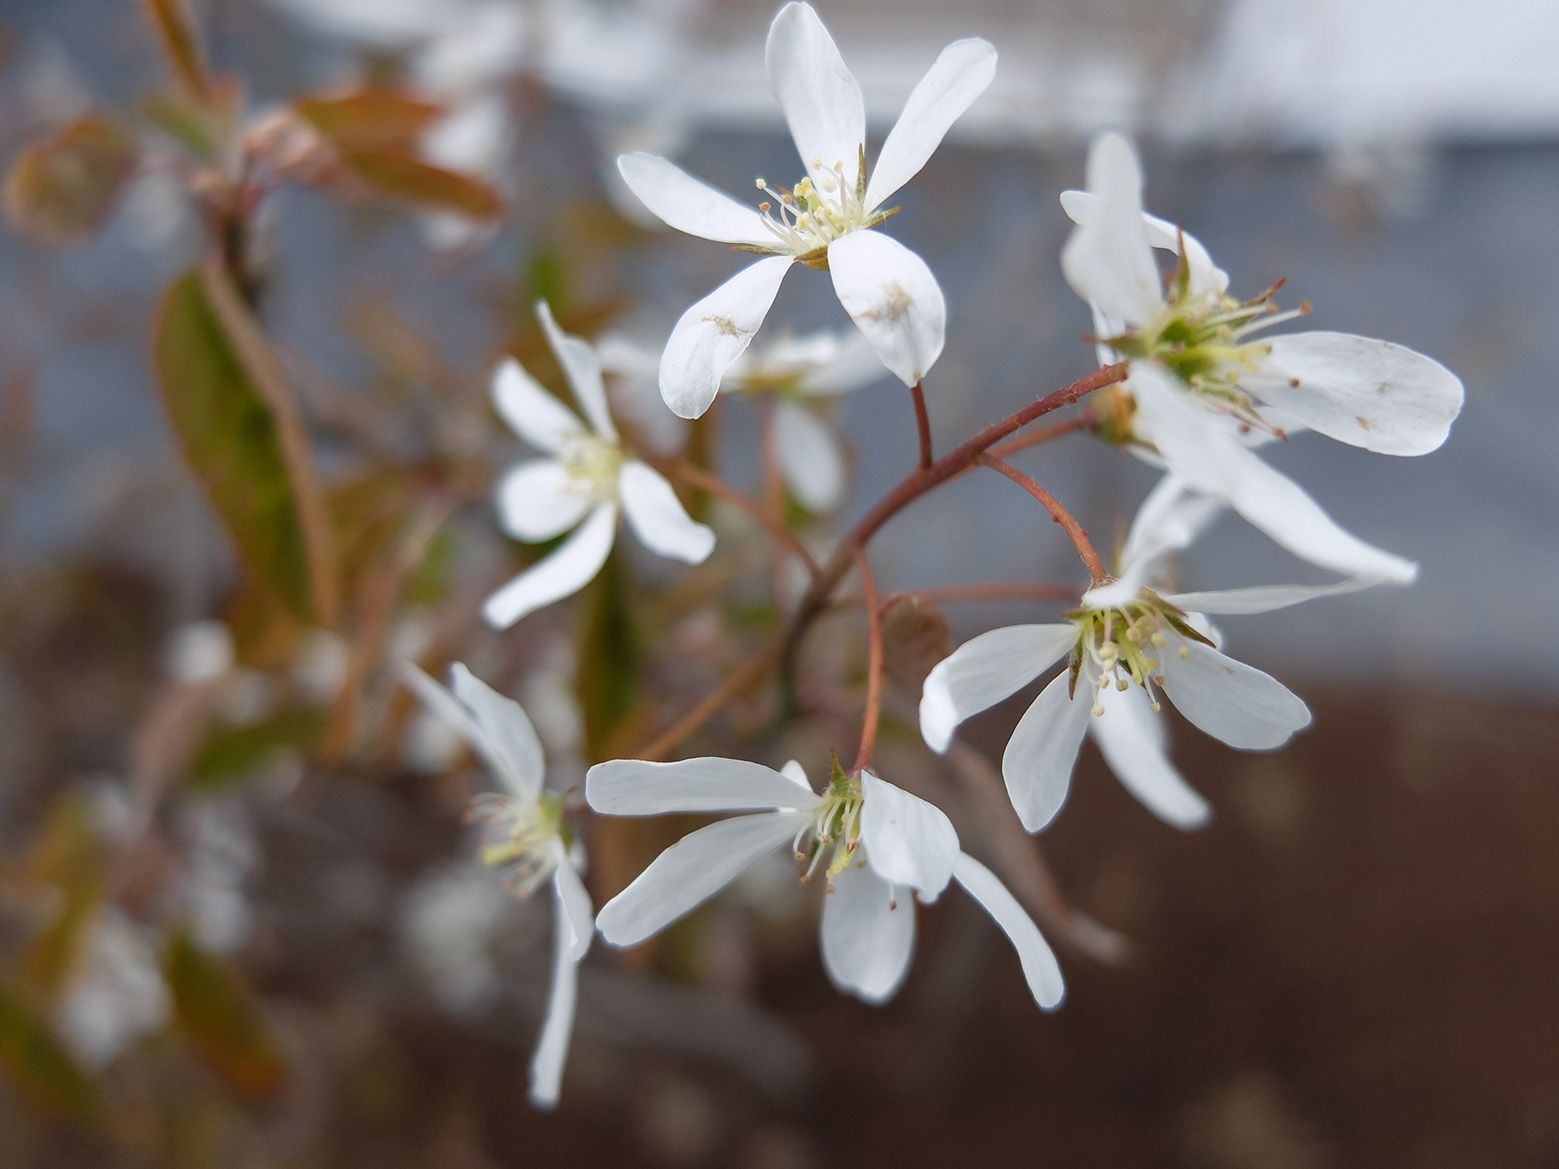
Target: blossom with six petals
824 220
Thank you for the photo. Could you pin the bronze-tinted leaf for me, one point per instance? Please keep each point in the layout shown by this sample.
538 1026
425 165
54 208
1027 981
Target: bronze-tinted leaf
67 858
38 1063
63 189
252 456
181 41
218 1014
915 637
370 119
396 174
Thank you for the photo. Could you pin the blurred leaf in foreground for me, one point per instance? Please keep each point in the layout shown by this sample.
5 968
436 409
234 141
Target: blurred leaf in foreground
38 1063
217 1013
63 189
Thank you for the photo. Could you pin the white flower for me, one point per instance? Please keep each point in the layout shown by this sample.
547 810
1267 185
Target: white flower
587 478
118 994
887 289
880 844
1203 387
1125 644
522 836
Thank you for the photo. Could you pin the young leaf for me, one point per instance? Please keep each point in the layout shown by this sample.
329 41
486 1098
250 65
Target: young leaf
218 1015
370 119
38 1063
63 189
233 415
396 174
181 41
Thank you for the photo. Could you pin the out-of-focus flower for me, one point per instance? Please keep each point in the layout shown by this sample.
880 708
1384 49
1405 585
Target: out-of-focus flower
1204 388
522 837
119 994
886 288
876 844
587 478
1125 644
447 925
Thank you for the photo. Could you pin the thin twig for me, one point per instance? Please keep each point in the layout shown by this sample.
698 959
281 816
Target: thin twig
728 689
994 590
1084 421
1059 513
923 424
706 482
873 664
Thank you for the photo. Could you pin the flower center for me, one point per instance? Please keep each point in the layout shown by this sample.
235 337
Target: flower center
1204 340
807 218
835 829
1126 643
593 465
519 838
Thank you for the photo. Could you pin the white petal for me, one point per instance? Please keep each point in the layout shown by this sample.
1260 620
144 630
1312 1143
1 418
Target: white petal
714 333
576 913
818 94
538 499
568 569
1206 277
867 934
1108 261
535 415
797 774
690 205
658 518
1263 598
583 369
636 787
453 714
1039 758
507 728
1230 700
691 871
809 457
983 671
1169 520
1196 447
1040 967
908 841
892 296
852 363
546 1068
961 73
1367 393
1132 740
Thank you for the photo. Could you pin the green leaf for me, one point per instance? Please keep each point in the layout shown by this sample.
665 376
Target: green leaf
68 858
219 1017
230 754
231 411
38 1062
63 189
607 682
397 174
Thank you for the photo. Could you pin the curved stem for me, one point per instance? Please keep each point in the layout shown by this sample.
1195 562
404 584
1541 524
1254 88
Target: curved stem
993 590
1058 513
1087 420
873 664
706 482
728 689
923 425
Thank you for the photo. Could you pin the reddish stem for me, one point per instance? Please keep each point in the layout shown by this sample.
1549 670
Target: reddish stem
1066 519
991 591
1087 420
873 664
728 689
707 482
923 424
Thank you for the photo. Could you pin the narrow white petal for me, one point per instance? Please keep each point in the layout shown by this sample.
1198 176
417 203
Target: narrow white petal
1263 598
1367 393
1040 967
1169 520
867 934
819 96
983 671
714 333
583 369
689 204
908 841
1197 447
1132 740
960 74
658 518
567 570
573 901
538 499
851 364
507 728
797 774
809 457
894 299
1108 261
532 413
453 714
691 871
546 1067
1206 277
636 787
1231 701
1037 764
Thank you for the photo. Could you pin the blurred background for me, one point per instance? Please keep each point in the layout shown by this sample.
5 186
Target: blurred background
240 926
